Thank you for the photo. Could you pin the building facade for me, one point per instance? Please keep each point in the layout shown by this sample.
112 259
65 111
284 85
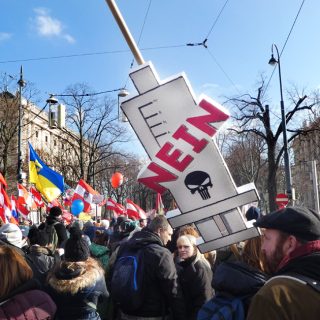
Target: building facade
55 146
306 168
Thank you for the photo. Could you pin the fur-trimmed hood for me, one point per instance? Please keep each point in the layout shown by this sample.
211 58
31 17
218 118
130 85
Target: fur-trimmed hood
72 277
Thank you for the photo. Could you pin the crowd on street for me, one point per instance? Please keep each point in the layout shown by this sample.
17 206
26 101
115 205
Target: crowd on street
144 270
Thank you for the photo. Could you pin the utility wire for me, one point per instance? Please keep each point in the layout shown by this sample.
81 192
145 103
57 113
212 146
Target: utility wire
89 54
140 35
221 68
289 34
205 45
86 94
216 20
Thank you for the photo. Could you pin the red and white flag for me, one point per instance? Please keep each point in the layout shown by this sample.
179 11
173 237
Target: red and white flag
3 181
36 196
54 203
85 193
159 204
134 211
5 204
23 195
117 208
20 208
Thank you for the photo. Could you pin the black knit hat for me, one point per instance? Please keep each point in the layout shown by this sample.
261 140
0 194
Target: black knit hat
55 212
253 213
300 222
38 237
76 248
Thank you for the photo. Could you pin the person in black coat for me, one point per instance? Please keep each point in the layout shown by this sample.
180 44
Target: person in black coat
194 275
39 257
77 284
162 293
54 219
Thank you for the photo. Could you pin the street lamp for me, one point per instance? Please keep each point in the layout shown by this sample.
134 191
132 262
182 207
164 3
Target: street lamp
51 101
21 84
273 61
122 93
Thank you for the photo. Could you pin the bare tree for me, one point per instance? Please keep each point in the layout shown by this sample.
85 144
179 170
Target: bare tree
95 130
253 115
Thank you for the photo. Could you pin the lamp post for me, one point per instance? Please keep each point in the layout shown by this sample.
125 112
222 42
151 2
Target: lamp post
51 101
122 93
21 84
273 61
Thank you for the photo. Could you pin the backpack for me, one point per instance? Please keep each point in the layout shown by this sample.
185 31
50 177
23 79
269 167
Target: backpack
53 236
127 279
223 308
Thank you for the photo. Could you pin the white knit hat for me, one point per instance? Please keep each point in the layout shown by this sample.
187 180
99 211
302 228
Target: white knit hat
105 223
12 234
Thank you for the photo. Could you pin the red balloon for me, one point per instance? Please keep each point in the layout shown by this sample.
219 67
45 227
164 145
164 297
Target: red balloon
116 180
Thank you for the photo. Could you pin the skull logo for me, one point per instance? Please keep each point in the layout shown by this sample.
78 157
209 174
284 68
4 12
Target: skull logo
199 181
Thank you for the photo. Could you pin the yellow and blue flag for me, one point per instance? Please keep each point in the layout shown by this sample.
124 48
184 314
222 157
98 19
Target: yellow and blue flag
48 182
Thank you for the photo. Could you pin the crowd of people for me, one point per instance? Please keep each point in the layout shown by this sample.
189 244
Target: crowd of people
144 270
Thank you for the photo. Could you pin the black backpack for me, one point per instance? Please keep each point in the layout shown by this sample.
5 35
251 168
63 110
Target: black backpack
50 230
127 279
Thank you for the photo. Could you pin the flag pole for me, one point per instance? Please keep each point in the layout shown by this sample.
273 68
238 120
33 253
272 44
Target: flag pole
125 31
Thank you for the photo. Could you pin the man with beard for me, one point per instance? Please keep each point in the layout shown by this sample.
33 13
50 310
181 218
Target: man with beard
291 246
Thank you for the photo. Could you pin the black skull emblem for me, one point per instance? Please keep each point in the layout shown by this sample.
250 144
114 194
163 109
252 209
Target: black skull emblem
199 181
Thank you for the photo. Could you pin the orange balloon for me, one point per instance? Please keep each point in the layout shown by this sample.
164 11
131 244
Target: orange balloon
116 180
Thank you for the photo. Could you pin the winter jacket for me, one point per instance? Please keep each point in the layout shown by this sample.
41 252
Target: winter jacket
195 277
283 297
101 253
76 288
162 293
237 279
27 302
41 260
60 229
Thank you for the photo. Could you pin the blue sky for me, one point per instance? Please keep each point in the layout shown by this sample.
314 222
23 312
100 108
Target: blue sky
239 43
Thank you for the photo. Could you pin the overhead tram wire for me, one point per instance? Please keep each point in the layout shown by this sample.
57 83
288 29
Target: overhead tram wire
221 68
140 35
216 20
86 94
287 39
205 45
89 54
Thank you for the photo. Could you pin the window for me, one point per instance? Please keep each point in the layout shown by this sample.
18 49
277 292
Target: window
37 134
46 138
55 143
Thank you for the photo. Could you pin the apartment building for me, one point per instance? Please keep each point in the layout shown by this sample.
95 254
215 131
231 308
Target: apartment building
55 146
306 168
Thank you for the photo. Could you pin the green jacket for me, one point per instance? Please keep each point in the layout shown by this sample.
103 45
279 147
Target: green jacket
100 253
285 298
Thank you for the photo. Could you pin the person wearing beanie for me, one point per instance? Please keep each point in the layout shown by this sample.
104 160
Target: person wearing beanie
253 213
11 235
40 258
53 220
77 284
291 249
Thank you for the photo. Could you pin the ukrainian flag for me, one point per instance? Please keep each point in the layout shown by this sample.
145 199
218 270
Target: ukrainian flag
48 182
